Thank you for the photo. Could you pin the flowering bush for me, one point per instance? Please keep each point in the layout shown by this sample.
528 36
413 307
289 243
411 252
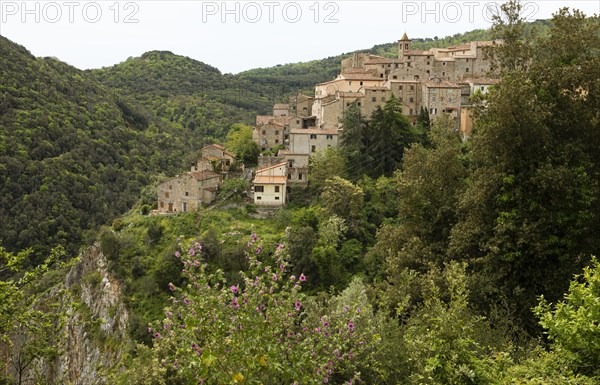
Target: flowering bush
259 331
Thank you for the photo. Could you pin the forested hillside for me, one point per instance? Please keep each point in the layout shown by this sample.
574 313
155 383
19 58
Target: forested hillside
73 154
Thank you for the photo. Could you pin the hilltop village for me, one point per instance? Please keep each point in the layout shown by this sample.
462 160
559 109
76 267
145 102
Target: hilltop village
438 81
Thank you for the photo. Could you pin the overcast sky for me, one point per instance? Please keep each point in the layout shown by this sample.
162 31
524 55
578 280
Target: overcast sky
238 35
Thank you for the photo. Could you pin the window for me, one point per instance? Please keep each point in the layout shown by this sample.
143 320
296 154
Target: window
412 88
400 88
383 98
374 99
276 189
166 194
258 198
394 77
187 194
443 64
264 132
361 83
313 136
259 189
276 141
162 204
313 148
289 176
400 99
276 198
329 136
408 57
276 132
443 74
359 104
297 121
412 100
290 163
433 98
466 70
482 88
350 83
300 176
428 63
411 112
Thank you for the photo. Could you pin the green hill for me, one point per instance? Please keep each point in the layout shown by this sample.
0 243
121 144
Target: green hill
73 154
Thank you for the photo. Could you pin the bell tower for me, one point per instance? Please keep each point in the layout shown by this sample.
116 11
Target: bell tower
403 45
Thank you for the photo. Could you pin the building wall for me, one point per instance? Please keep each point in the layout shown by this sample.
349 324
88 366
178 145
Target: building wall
185 193
269 135
310 141
269 196
439 100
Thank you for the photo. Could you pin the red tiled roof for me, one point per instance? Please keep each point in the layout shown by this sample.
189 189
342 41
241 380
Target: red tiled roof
266 179
270 167
220 147
202 175
440 84
318 131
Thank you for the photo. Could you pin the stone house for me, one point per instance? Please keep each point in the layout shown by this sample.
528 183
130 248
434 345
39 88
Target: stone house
270 185
271 131
215 157
188 192
441 96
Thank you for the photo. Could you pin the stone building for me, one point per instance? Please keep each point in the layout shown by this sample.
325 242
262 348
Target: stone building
188 192
215 158
271 131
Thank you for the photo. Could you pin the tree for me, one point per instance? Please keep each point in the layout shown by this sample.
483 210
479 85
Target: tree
239 140
325 165
353 138
572 324
342 198
390 133
30 321
264 330
529 215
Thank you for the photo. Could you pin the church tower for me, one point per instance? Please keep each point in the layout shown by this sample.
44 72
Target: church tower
403 45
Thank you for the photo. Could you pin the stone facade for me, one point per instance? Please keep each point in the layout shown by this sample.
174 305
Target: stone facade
188 192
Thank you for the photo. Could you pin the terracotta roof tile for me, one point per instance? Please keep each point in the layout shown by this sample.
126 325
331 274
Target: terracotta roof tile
266 179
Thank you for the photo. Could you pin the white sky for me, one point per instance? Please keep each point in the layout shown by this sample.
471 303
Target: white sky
238 35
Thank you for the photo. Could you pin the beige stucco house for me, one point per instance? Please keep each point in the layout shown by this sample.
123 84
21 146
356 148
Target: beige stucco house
270 185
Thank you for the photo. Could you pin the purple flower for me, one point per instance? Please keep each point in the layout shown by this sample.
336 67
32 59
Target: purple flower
302 278
298 305
235 304
177 254
350 326
186 301
281 267
234 289
171 286
293 278
191 251
275 277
